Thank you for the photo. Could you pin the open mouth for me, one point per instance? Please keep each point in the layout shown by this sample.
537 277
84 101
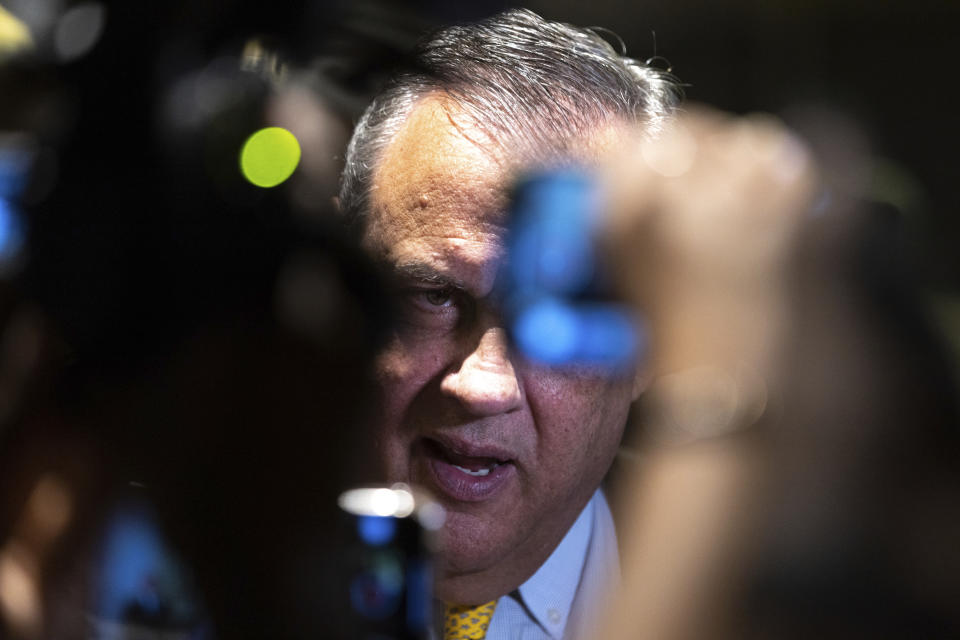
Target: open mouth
472 476
478 473
475 465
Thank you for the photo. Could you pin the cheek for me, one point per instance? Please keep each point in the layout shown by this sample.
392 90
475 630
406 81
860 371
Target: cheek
407 376
579 418
405 366
401 372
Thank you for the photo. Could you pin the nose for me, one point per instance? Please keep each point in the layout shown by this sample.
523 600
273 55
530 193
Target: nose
485 383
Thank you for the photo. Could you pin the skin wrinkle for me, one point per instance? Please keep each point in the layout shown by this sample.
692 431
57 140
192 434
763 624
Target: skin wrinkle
454 375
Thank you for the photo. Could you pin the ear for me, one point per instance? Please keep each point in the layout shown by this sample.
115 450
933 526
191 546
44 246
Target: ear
335 201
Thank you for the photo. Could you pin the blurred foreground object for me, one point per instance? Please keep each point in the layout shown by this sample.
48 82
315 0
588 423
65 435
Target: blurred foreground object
387 565
184 371
14 35
798 465
556 293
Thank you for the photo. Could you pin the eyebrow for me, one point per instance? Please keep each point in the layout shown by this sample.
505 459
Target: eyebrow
426 273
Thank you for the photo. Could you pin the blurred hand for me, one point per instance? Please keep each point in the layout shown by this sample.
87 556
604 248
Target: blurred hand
700 228
700 231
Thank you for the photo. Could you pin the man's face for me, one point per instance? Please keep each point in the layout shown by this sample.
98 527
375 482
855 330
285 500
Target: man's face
513 450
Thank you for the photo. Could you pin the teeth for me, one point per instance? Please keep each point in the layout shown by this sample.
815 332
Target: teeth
478 472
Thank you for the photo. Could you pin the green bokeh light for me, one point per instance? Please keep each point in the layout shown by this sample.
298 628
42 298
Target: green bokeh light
269 156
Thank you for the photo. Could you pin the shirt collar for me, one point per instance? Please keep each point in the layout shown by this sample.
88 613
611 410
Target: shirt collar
549 593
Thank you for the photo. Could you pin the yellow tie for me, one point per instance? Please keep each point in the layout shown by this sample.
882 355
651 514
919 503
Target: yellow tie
463 622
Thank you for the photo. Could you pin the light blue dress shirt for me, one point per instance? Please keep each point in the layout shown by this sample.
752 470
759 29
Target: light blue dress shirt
562 600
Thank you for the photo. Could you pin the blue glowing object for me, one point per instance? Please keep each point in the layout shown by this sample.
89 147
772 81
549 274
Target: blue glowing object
551 249
376 530
419 595
11 232
132 557
138 575
9 227
13 172
608 336
554 298
547 330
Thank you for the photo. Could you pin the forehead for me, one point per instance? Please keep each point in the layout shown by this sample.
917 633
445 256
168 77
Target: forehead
439 191
437 182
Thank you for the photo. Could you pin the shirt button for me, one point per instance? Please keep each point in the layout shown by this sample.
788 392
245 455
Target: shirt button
554 616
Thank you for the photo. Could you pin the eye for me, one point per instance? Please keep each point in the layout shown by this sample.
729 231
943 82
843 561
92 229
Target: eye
433 302
438 297
434 309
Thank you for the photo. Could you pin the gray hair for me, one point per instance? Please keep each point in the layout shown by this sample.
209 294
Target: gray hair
526 82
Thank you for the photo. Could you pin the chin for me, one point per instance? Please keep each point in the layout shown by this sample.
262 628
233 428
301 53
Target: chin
460 580
458 557
471 573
